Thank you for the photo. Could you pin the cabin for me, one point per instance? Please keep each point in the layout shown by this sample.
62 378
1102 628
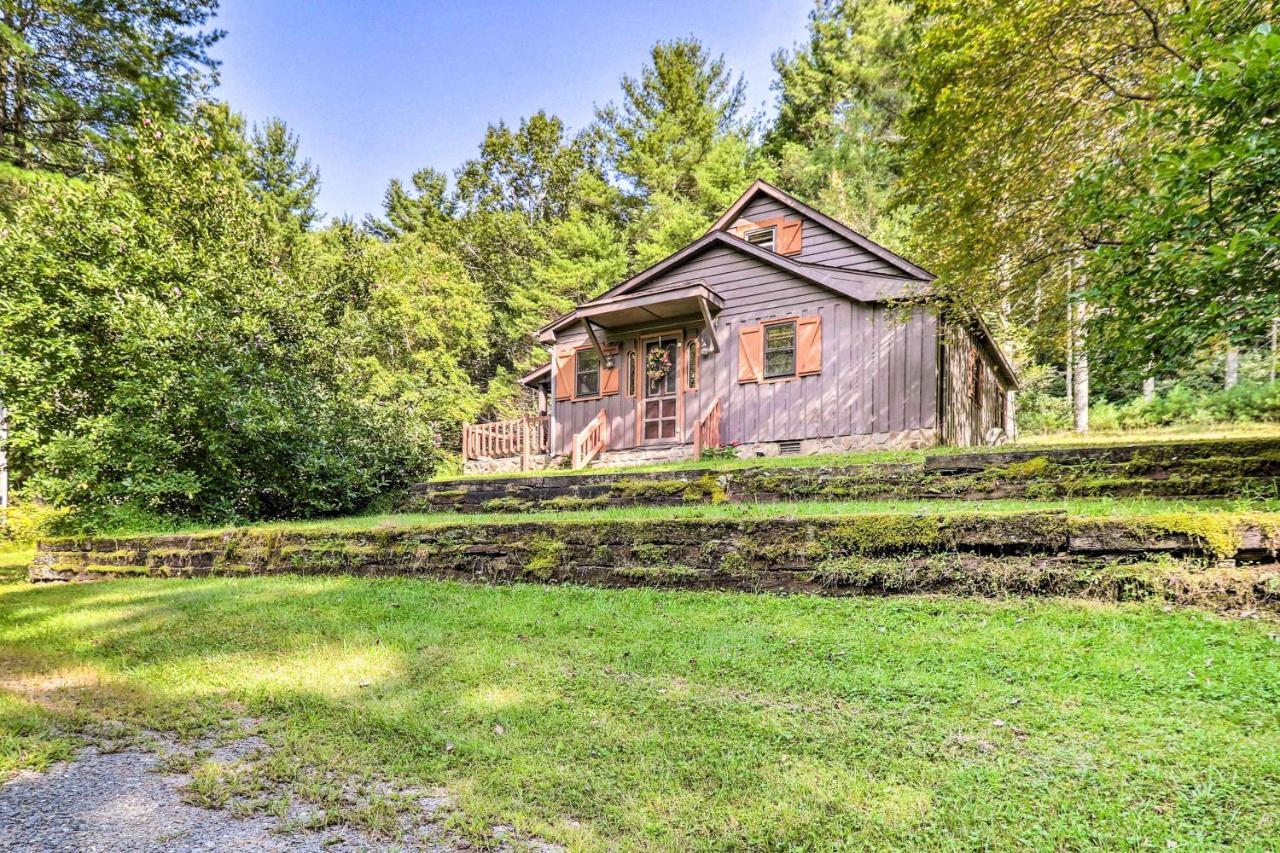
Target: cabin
780 331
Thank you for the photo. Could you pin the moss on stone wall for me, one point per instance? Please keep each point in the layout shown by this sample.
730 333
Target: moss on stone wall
977 553
543 557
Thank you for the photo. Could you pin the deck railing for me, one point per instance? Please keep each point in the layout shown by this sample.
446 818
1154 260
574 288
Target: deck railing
521 437
706 431
593 439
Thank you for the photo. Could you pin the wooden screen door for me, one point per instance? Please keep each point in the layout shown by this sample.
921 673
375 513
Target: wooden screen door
661 403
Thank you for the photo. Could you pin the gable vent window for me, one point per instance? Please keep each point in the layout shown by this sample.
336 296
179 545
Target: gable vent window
789 448
762 237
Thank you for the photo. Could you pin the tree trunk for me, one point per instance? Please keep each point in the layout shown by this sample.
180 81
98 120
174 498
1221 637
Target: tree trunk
4 467
1071 356
1149 388
1271 371
1082 388
1078 384
1233 367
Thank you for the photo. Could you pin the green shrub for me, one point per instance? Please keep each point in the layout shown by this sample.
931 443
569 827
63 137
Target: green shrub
27 520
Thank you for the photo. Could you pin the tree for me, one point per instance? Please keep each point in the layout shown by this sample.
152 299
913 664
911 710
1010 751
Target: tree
1188 236
166 349
841 99
72 70
424 208
533 170
678 145
1012 106
286 186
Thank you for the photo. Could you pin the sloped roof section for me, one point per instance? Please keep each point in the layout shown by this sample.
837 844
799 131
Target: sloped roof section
760 187
870 287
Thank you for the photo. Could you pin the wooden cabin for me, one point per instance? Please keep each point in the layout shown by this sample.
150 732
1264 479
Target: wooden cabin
779 331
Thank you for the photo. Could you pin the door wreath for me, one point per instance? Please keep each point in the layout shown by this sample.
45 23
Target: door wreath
657 364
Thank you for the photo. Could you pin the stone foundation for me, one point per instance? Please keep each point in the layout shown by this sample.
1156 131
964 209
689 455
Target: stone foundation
911 439
511 464
643 456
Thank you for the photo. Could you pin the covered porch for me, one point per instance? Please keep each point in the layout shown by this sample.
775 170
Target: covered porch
625 379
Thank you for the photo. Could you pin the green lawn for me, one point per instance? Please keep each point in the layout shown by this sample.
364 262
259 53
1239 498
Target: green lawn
1073 506
1196 432
667 720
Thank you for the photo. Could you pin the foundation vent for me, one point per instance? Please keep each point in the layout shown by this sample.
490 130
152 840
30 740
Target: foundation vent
789 448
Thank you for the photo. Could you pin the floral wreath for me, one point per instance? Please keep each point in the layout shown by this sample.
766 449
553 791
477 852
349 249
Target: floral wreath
657 364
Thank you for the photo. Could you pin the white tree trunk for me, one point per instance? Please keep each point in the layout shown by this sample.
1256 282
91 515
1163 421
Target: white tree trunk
1082 389
1076 336
1271 371
1233 367
1071 356
1149 388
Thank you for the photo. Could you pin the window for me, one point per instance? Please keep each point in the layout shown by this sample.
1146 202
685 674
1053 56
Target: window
631 373
586 379
780 350
691 364
762 237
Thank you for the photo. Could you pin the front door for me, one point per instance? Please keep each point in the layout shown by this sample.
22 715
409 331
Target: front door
660 408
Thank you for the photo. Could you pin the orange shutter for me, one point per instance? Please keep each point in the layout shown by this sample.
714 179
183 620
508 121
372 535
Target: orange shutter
750 353
609 375
564 373
809 345
790 237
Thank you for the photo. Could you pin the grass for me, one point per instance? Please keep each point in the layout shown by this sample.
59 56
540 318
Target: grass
643 719
800 509
1197 432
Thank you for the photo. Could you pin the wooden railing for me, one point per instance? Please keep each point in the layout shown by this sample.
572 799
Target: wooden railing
521 437
593 438
706 431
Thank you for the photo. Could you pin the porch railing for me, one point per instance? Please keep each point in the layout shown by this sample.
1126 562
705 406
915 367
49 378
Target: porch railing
706 431
521 437
593 438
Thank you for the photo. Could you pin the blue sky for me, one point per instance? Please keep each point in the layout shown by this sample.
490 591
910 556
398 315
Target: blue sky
378 89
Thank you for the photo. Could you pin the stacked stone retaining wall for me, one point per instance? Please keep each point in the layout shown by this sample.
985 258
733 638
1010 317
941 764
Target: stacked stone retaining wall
1221 560
1229 468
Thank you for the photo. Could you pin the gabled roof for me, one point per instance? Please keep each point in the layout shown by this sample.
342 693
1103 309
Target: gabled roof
832 278
764 188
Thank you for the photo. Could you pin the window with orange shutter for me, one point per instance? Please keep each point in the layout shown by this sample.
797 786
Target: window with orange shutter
780 349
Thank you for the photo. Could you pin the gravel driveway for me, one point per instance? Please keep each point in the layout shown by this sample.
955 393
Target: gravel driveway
125 801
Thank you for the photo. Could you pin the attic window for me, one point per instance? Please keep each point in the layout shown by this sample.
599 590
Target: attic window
762 237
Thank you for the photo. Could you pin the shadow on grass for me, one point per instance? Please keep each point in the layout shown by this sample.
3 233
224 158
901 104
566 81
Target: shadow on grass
593 716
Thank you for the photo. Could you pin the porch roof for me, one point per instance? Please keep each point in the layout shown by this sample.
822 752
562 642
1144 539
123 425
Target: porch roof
677 301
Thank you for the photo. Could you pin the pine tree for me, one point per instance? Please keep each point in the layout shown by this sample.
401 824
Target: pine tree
288 187
71 70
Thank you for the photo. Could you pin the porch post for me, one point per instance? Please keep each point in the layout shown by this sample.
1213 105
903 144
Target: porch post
524 443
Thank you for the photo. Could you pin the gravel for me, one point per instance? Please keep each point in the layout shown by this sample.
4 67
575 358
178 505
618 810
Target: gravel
121 799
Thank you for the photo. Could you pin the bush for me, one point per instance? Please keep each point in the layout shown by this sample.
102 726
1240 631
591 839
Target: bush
27 520
1184 404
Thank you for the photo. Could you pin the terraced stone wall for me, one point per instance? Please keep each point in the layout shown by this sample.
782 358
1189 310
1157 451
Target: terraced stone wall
1227 561
1193 469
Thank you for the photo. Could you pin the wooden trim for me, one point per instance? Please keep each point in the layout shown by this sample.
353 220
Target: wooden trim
795 374
758 186
642 384
573 389
710 325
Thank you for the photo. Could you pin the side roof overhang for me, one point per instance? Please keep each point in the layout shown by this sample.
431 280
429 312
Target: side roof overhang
759 188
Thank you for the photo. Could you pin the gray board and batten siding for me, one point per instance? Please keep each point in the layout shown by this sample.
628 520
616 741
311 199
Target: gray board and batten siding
879 363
